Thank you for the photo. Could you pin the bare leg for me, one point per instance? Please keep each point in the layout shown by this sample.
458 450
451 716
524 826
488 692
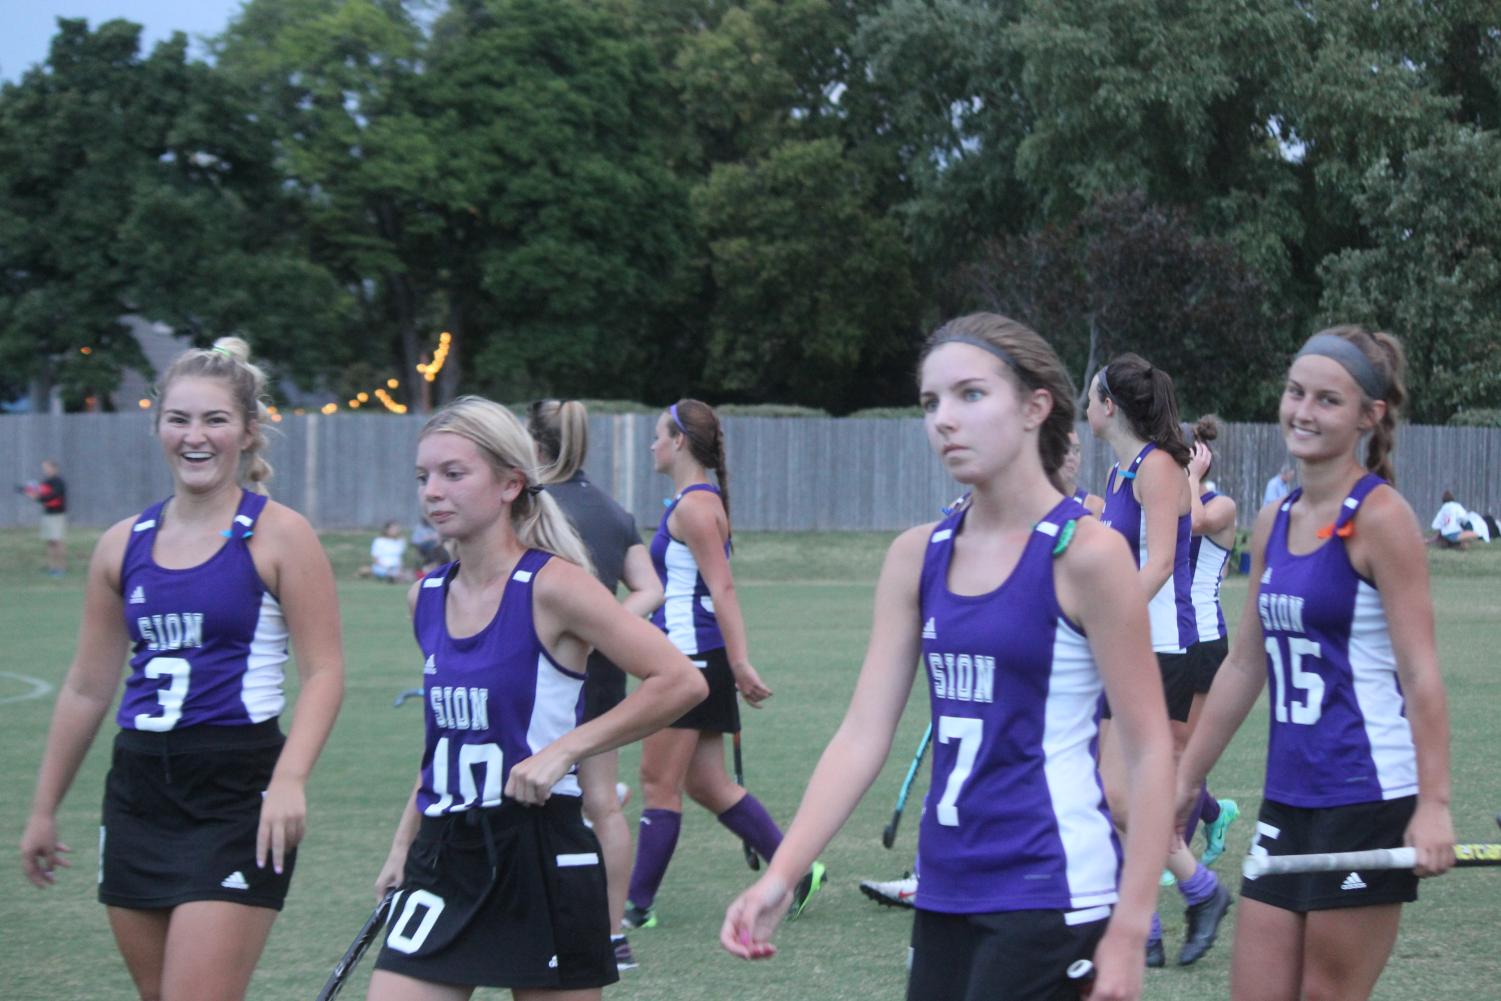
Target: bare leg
388 986
1267 964
1344 951
597 776
665 757
707 782
142 939
544 994
212 949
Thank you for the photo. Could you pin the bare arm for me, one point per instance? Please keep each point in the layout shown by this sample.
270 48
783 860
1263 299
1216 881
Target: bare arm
1160 488
640 579
697 521
572 608
84 699
406 832
1094 576
853 757
1237 686
303 582
1387 547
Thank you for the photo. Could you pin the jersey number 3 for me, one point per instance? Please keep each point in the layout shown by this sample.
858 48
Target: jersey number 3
967 732
171 697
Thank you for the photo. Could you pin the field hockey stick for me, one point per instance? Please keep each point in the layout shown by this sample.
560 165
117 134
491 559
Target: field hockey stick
1379 858
751 859
351 958
888 836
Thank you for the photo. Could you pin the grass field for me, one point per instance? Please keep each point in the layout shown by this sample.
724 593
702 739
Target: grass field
807 600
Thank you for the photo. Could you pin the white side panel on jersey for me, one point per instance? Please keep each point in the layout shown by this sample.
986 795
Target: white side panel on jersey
1162 610
1205 589
1073 782
553 714
677 610
1373 665
261 689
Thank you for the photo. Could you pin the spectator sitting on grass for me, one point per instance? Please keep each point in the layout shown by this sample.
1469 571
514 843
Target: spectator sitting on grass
1451 526
387 551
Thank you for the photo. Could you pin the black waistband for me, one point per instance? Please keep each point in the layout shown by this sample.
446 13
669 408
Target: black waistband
205 736
497 818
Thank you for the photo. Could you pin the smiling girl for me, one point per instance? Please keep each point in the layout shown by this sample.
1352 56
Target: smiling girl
499 882
1020 609
204 803
1342 623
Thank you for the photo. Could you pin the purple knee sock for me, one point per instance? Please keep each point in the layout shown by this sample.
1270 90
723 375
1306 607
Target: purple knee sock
1209 807
654 846
1199 814
1155 935
750 822
1199 887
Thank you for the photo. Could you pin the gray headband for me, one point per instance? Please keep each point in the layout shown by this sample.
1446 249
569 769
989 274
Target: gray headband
1351 359
983 345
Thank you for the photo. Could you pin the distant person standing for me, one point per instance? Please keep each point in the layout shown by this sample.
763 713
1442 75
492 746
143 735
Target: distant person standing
1278 487
52 493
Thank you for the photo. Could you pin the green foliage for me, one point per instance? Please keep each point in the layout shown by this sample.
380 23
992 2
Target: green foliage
768 410
1477 418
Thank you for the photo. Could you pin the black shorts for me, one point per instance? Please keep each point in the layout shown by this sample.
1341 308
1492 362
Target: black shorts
719 712
604 686
1177 686
1204 660
1297 830
181 810
1017 955
507 897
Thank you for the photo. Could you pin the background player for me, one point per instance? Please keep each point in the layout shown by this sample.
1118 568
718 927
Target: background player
1132 406
51 492
500 882
561 431
1213 540
701 616
1342 621
996 601
204 803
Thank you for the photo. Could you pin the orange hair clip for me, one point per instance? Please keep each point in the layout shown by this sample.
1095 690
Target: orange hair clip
1344 532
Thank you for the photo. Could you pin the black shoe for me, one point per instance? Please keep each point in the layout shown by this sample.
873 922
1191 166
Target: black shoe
1156 958
638 917
1204 924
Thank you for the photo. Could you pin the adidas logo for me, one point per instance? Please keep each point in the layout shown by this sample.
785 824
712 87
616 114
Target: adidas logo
235 881
430 667
930 630
1353 882
138 596
1266 577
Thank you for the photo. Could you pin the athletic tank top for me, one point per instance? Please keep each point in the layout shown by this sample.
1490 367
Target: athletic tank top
1171 608
1015 818
687 614
491 699
207 642
1207 559
1339 732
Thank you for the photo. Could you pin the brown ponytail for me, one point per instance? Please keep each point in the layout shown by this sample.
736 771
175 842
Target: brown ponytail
698 422
1145 396
1384 352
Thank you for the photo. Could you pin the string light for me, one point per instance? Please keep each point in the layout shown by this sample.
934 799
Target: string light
85 350
431 369
428 370
390 404
145 404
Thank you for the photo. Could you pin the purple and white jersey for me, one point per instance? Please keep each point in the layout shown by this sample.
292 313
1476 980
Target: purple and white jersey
1171 610
1015 817
1339 732
687 614
208 642
1207 559
491 699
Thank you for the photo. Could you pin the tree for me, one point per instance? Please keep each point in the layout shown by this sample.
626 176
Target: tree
1128 275
1433 272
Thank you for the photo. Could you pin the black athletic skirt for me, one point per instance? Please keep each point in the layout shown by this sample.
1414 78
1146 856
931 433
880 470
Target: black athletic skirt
1299 830
181 810
719 712
507 897
604 686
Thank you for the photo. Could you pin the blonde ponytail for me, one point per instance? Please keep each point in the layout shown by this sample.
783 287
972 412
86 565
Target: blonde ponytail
229 361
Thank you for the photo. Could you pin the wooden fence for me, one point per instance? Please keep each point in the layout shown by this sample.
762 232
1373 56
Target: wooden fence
786 474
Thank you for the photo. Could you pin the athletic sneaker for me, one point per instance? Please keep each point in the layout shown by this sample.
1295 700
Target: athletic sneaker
892 893
638 917
624 958
1204 924
1214 834
622 793
1156 957
806 887
1167 878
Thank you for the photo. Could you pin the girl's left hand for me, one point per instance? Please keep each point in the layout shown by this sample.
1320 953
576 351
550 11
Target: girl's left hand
531 780
1118 968
283 822
1431 832
750 684
752 919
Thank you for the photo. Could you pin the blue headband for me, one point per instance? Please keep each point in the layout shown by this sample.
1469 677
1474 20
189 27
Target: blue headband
673 410
983 345
1351 359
